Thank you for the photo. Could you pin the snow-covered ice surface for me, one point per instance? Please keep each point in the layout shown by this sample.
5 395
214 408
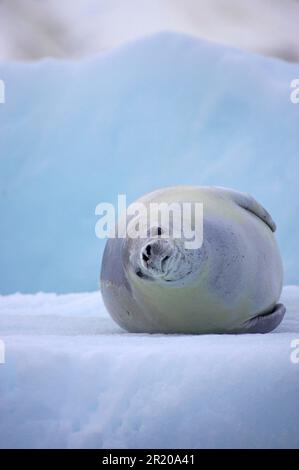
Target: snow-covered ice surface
168 109
72 378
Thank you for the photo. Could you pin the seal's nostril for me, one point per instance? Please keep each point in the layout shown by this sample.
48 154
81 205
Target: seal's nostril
144 257
163 262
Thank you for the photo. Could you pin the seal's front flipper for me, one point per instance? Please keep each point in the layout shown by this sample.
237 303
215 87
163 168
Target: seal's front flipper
250 204
265 323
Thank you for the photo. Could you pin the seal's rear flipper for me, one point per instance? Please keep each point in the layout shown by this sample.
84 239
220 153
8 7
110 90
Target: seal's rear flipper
265 323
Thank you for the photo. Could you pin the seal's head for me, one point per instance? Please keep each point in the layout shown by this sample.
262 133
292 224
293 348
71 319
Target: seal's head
161 258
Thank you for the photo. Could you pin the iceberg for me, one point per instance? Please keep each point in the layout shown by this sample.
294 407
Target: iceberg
164 110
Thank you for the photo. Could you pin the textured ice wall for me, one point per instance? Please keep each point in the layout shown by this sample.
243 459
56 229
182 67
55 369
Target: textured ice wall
169 109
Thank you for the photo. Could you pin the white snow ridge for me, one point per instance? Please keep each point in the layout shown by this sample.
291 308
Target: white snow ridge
72 378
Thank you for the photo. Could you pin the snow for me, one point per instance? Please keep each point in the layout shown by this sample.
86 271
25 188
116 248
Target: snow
164 110
72 378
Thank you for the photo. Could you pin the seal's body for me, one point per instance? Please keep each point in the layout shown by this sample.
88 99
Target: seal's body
231 284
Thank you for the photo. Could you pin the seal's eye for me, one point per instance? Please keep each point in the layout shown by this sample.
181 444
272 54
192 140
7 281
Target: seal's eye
148 250
157 231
